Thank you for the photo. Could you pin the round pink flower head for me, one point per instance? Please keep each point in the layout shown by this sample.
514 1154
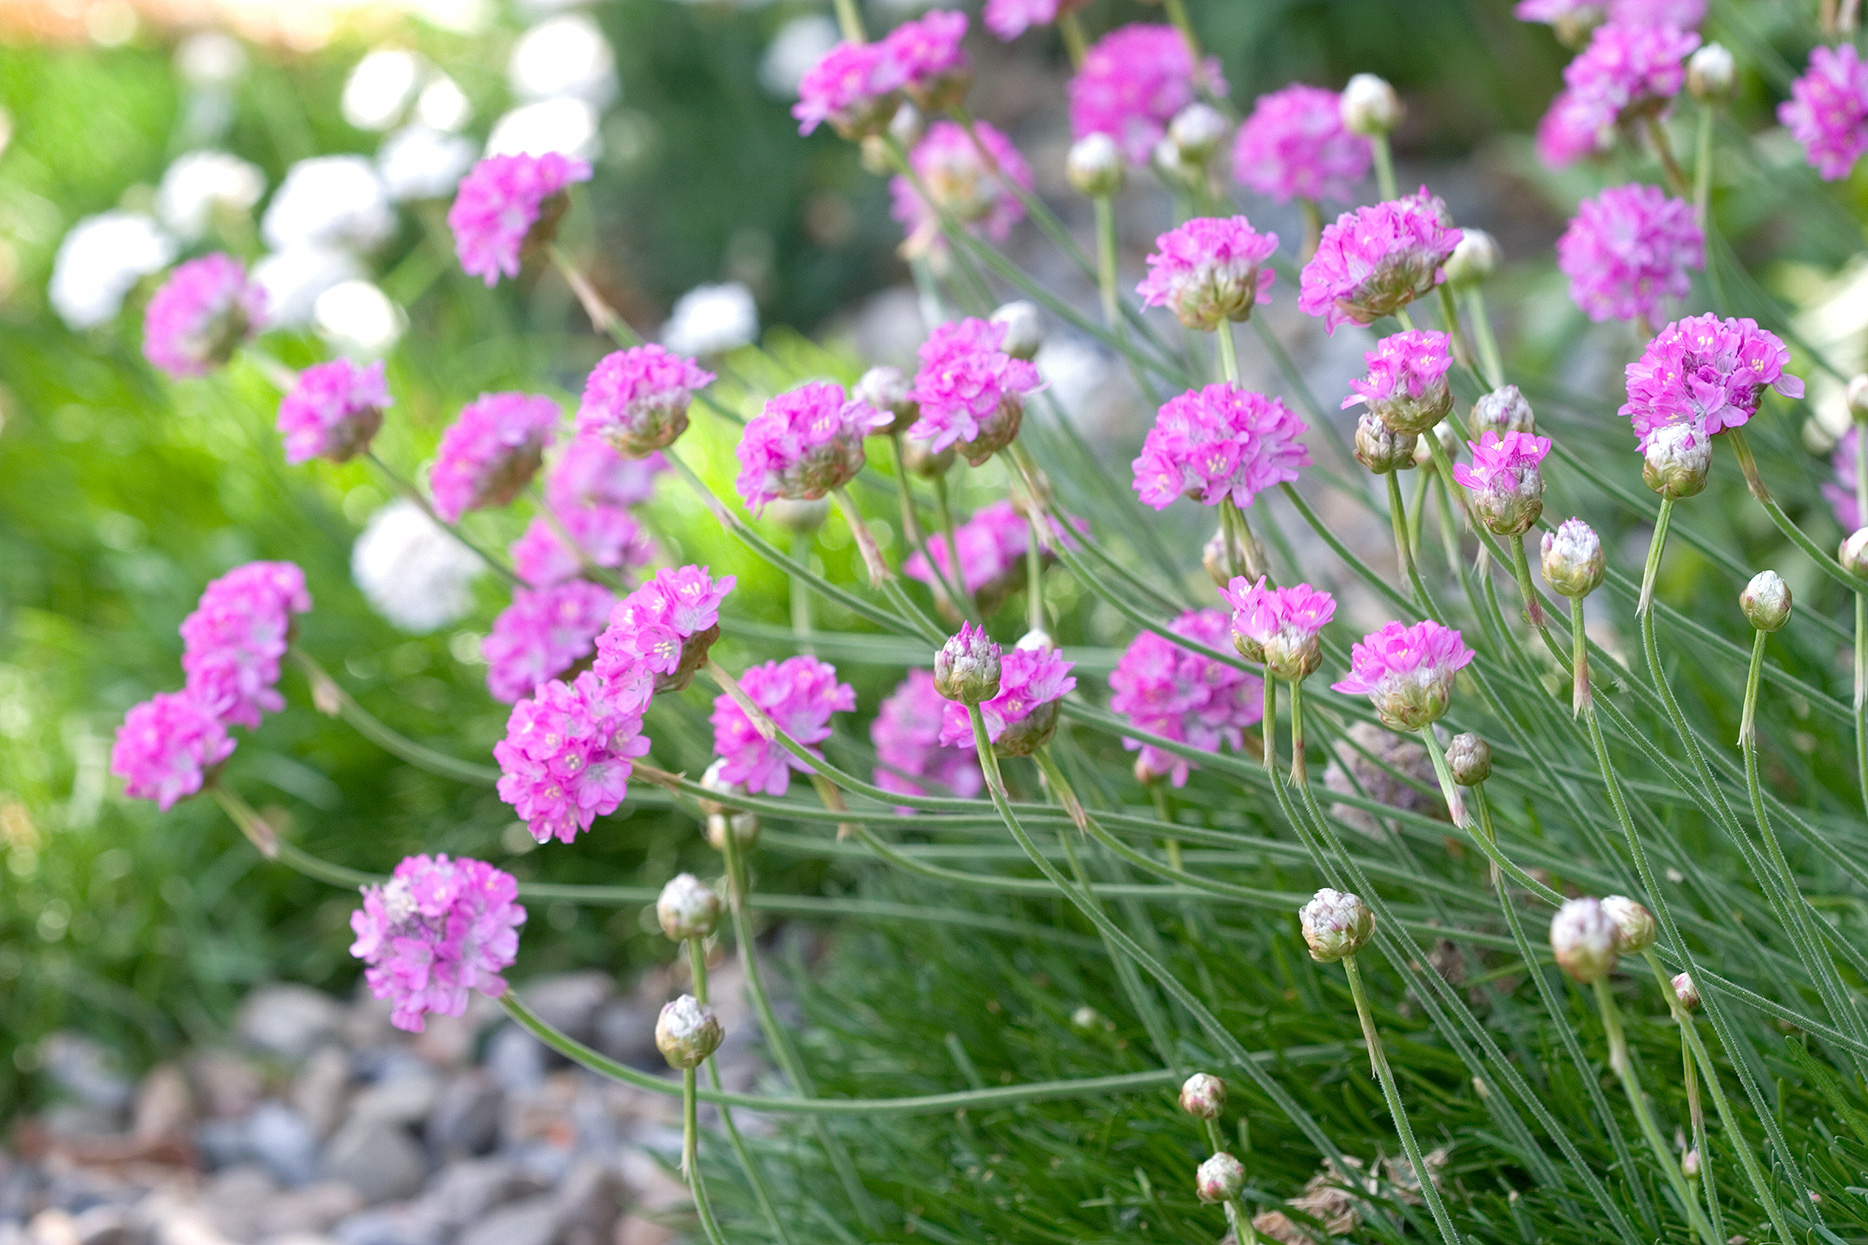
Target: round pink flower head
1574 19
606 536
1217 444
166 747
205 309
1828 110
637 399
1022 716
1506 480
1011 18
1174 692
1406 672
806 443
856 87
437 929
992 544
1279 626
333 411
962 183
799 694
1376 260
1406 387
491 452
1629 248
658 635
234 639
1132 83
1294 146
909 751
1840 492
590 472
505 202
929 52
1707 372
1574 128
1207 271
567 756
543 633
970 392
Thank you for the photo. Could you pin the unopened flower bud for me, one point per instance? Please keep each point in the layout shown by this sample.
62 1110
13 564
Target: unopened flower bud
1225 560
1711 73
1676 461
1689 1164
1203 1095
1473 260
1036 639
1336 924
687 908
1502 410
908 126
1198 131
885 388
1470 759
687 1032
1174 168
1443 432
1024 331
921 460
1685 991
1573 560
1635 930
1094 167
1584 938
967 667
1766 601
1853 555
1370 106
722 820
798 514
1219 1179
1380 448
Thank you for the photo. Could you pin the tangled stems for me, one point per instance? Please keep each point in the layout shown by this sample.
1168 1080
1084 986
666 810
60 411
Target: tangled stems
331 699
602 316
880 576
257 829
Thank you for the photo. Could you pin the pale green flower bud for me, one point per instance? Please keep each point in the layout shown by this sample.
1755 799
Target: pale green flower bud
1380 448
1502 410
1370 106
1470 759
967 667
1024 331
1711 73
1573 561
1685 991
687 908
1203 1096
1583 938
1336 924
1676 461
1197 132
1766 601
1219 1179
885 388
1473 261
1853 555
687 1032
1635 930
1094 167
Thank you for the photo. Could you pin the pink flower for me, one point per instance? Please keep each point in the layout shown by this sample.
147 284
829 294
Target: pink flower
332 411
992 546
1294 146
929 52
567 756
1217 443
799 694
205 309
1279 626
1132 83
233 640
1828 110
1840 493
1207 271
544 632
906 735
1011 18
1707 372
1626 72
1574 128
970 392
1171 691
637 399
437 929
1577 15
807 442
1629 248
1023 716
854 87
1506 479
490 452
1406 672
1376 260
608 535
658 635
165 746
970 188
1406 387
500 201
590 473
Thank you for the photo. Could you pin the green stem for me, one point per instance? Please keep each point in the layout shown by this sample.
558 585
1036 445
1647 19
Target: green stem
873 562
761 1192
1228 352
1490 362
1654 549
1579 659
1299 774
1663 150
328 696
408 489
801 623
1861 691
850 21
1404 552
1747 722
690 1157
1384 166
1449 312
1034 576
256 828
1106 260
1702 169
1268 723
602 316
1075 44
1521 571
953 577
1755 482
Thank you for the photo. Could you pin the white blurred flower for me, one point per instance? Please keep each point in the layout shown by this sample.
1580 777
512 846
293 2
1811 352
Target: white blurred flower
564 125
442 105
200 182
210 58
357 319
329 201
100 260
564 55
422 163
411 570
712 319
799 44
293 279
379 87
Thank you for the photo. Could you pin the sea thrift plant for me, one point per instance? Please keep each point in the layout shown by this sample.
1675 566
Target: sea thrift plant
1506 480
993 543
438 929
855 87
1627 73
1294 146
659 635
205 309
1172 691
1021 717
1374 261
952 176
1279 627
491 452
1208 271
806 443
1406 387
567 756
1011 18
544 632
1406 672
1828 110
910 757
637 399
505 201
1133 81
935 67
236 636
971 393
1628 249
1706 372
332 411
1220 443
798 694
167 746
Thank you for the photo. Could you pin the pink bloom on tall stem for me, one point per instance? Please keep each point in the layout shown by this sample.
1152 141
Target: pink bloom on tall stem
1628 249
1218 443
591 473
543 633
1828 110
906 735
501 201
806 443
609 536
1574 16
1707 372
491 452
1574 128
1172 691
1374 261
234 639
799 694
1023 715
960 181
1134 79
1406 672
437 929
567 756
332 411
1506 480
658 635
1627 73
992 545
1207 271
1406 387
1279 626
929 52
1294 146
166 746
1011 18
1840 492
854 86
970 392
637 399
203 311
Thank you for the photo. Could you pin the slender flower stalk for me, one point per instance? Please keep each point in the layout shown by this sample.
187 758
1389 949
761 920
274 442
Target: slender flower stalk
690 1157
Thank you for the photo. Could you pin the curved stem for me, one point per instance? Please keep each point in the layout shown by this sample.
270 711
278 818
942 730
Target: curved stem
330 698
256 828
1702 165
873 563
1755 482
690 1157
1490 362
1747 722
1521 571
1663 150
1654 549
407 488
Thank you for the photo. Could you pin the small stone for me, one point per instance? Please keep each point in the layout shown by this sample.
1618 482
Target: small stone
465 1117
236 1198
228 1085
83 1069
289 1020
379 1159
284 1141
105 1225
626 1032
638 1230
52 1227
165 1106
318 1092
515 1060
411 1224
404 1093
533 1221
313 1208
590 1198
462 1192
569 1002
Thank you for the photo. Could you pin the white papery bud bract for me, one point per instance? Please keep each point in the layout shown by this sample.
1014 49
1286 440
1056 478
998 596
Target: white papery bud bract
1853 554
1855 396
1095 167
1336 924
1024 330
1711 73
1573 561
1370 106
687 908
1198 131
1449 441
1676 461
1635 930
1766 601
1583 938
967 667
1203 1095
886 388
1502 410
1470 759
687 1032
1686 990
1473 260
1219 1179
1037 639
1173 168
1380 448
722 820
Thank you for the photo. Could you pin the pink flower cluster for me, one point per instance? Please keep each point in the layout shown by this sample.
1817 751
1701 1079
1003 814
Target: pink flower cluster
854 87
970 392
1133 80
1626 71
1376 260
590 473
637 399
1840 492
437 929
1406 672
1828 110
1629 248
567 756
1277 620
1207 271
205 309
499 202
659 634
1406 386
588 490
1031 682
543 633
1294 146
992 546
806 443
1708 373
1685 14
1217 443
932 60
1011 18
165 747
489 453
1171 691
962 183
233 640
906 735
332 411
1501 461
799 694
